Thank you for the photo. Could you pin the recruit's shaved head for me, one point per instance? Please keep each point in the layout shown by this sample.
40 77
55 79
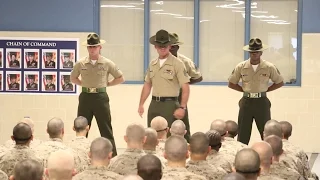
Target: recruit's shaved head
176 149
272 127
232 128
22 133
55 127
178 128
265 152
286 129
276 144
60 165
80 124
199 143
135 133
100 149
28 169
28 121
159 123
150 167
219 125
234 176
214 139
247 163
152 139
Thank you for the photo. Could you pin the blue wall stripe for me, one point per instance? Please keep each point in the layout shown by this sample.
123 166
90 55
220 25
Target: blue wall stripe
247 26
196 32
96 16
299 43
146 30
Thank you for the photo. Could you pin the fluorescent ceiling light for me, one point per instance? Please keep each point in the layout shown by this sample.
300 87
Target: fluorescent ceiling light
264 16
204 20
136 4
159 2
171 14
263 12
278 22
156 10
137 8
183 17
118 6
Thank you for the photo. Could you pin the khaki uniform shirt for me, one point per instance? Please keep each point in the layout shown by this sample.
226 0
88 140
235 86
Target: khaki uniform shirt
47 147
160 147
299 153
255 81
180 173
126 163
167 79
13 156
279 169
205 169
193 72
97 173
10 143
95 76
217 159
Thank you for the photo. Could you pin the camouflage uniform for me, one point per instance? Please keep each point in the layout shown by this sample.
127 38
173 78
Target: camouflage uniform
217 159
13 156
279 169
160 147
264 176
162 159
97 173
126 163
81 145
205 169
299 153
292 162
3 176
55 144
180 173
3 150
10 143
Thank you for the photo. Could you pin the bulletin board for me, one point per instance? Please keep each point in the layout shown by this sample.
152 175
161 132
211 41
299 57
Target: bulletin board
37 65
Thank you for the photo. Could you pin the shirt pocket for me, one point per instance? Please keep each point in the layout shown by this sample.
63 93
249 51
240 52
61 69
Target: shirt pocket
245 77
101 72
168 74
264 77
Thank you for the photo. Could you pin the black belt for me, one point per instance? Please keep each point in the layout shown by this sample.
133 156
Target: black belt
158 98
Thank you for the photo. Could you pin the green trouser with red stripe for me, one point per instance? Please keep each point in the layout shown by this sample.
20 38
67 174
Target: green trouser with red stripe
97 105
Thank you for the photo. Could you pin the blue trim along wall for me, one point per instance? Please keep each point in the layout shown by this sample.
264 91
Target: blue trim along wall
84 16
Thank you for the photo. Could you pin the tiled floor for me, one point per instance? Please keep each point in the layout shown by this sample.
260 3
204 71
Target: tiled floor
314 161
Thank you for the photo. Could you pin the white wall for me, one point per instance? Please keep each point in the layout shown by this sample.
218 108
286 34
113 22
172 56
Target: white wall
299 105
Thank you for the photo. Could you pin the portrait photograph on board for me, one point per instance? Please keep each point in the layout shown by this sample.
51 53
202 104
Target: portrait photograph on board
31 81
31 57
13 58
13 81
1 58
49 81
1 80
65 82
67 59
49 59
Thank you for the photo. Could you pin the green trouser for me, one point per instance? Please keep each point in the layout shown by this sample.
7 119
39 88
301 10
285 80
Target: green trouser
185 119
252 108
97 105
162 108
